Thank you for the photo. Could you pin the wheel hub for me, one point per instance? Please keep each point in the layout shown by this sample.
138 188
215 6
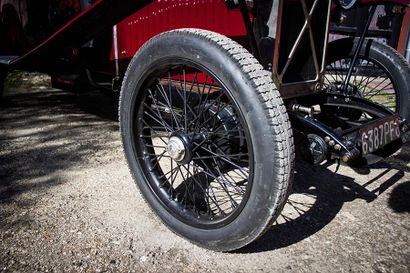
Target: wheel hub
176 148
317 149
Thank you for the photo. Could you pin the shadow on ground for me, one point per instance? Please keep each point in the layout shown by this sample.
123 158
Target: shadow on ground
399 198
319 194
45 132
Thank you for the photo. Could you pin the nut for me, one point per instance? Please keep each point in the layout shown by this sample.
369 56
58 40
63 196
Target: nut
338 147
345 158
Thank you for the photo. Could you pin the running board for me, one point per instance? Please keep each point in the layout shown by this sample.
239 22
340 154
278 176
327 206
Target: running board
7 60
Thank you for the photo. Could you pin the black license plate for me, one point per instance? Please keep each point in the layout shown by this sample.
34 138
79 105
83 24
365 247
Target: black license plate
379 133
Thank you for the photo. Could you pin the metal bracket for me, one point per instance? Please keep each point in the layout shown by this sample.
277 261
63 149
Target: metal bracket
310 125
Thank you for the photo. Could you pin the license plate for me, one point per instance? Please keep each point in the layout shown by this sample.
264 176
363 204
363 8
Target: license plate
379 133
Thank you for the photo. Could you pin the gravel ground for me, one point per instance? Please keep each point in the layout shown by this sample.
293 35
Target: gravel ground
68 204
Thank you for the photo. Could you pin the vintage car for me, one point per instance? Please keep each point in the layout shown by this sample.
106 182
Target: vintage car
216 97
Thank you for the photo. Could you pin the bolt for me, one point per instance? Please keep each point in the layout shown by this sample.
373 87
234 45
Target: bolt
318 87
327 139
332 143
345 158
338 147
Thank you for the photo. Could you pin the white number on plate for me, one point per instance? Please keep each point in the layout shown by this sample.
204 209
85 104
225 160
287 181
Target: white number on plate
379 136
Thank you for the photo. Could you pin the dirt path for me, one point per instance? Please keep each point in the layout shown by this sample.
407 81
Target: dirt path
68 203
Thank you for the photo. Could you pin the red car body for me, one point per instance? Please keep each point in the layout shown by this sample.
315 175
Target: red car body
136 22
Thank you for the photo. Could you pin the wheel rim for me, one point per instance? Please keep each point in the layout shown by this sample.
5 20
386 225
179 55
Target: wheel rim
369 80
193 145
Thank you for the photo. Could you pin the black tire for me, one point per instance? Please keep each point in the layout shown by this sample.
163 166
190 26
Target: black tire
377 57
257 110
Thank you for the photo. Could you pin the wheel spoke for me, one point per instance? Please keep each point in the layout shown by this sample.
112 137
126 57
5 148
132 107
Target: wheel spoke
207 176
161 89
370 80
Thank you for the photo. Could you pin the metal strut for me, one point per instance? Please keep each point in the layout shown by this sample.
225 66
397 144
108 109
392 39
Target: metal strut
248 25
358 48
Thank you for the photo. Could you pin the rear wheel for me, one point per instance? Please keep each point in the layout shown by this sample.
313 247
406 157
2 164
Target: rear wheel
206 137
381 74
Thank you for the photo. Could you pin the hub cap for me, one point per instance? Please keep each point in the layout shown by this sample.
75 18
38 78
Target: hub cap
176 148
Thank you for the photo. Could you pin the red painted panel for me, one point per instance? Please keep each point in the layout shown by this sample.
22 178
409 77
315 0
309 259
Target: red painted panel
164 15
404 33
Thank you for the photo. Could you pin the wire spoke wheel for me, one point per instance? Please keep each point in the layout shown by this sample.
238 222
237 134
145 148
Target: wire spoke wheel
381 75
196 149
369 80
206 137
